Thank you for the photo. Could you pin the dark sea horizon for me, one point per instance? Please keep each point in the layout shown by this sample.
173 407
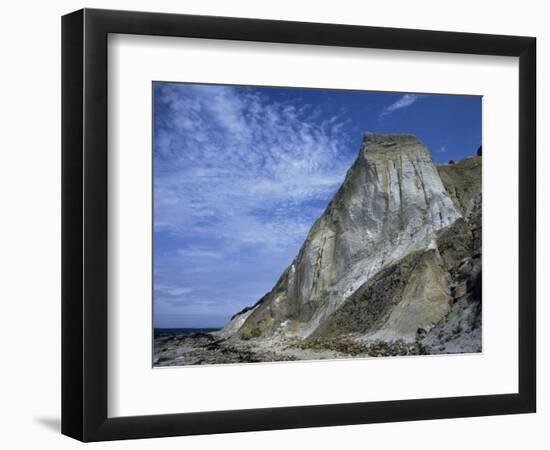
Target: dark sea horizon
164 332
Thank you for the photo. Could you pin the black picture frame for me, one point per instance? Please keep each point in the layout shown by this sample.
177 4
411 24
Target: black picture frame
84 224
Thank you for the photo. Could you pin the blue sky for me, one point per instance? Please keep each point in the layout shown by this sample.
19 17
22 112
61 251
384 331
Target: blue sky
241 174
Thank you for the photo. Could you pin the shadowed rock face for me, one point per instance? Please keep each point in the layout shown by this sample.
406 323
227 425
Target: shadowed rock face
381 225
463 183
402 298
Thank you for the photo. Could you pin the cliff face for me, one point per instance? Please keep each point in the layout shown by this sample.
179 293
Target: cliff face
462 181
373 266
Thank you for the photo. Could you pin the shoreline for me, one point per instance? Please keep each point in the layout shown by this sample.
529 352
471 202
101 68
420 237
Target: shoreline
207 349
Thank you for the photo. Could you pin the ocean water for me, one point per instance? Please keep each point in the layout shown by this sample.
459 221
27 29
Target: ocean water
165 332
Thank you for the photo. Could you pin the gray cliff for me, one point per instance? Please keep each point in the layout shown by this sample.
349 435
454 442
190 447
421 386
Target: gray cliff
380 264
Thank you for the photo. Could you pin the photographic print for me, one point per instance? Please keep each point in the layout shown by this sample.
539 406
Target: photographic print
307 224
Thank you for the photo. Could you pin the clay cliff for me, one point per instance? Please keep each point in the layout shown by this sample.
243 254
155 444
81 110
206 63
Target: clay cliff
395 257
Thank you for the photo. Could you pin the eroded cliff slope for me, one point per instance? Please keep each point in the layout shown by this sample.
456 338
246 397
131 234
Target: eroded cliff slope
381 263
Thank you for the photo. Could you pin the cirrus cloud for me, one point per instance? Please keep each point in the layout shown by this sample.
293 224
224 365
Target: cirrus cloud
403 102
239 178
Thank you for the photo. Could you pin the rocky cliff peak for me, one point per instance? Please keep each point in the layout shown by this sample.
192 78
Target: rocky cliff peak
391 204
372 141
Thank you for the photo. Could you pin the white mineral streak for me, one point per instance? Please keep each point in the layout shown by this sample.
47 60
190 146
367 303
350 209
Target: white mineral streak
391 203
234 324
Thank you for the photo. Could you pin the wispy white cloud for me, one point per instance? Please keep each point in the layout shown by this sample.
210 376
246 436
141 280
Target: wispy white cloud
172 291
194 252
403 102
233 165
239 179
